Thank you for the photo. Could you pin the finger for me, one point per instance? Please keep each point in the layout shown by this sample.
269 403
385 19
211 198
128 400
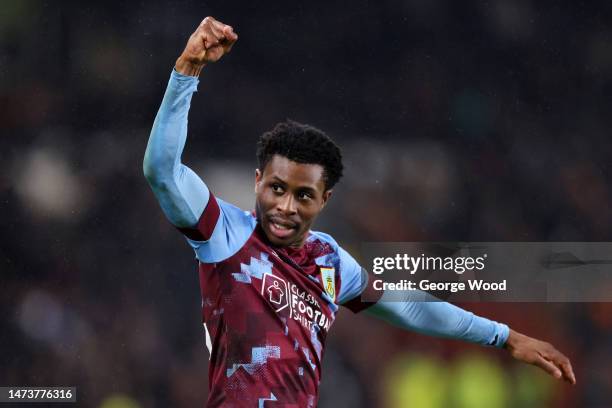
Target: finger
217 28
208 20
209 36
547 366
228 44
563 363
223 30
229 33
566 368
230 37
226 35
568 373
219 25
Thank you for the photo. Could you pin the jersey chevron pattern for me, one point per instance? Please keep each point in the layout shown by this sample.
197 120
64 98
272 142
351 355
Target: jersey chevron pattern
267 310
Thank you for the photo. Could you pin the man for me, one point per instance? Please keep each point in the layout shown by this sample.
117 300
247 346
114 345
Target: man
270 285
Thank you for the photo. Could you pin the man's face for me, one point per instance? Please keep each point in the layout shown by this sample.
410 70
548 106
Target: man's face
289 197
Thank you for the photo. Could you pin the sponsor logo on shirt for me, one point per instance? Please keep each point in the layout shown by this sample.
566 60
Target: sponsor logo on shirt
275 289
303 306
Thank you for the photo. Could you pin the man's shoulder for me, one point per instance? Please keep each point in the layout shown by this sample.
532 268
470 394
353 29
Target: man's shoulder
231 208
236 217
232 229
325 249
324 238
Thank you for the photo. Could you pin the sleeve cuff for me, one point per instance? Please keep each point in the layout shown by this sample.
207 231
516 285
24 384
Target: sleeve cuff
181 80
501 335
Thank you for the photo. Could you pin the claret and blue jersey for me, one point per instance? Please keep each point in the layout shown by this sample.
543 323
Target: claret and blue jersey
267 310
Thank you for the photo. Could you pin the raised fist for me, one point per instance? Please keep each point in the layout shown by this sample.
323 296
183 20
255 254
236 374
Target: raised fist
210 41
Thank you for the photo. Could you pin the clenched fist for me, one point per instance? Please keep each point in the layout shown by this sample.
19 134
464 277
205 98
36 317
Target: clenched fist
210 41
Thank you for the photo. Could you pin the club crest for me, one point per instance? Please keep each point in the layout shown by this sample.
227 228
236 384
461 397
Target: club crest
328 278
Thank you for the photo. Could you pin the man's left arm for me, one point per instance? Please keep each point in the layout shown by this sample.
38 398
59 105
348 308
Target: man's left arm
421 312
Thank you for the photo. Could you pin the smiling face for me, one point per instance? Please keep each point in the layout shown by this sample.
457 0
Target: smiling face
289 196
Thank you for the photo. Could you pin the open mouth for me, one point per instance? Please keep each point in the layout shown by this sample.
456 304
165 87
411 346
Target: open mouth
281 229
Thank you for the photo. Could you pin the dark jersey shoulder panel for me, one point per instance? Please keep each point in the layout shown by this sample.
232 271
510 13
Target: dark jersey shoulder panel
220 232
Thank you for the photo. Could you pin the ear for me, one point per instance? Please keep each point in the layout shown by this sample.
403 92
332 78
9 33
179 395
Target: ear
258 176
326 196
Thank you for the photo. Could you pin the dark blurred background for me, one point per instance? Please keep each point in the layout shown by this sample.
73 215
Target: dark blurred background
473 121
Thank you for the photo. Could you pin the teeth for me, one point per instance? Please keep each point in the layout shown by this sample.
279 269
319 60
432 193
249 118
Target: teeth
278 226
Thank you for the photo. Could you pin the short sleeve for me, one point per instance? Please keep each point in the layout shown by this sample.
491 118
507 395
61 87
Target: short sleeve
352 277
220 232
356 293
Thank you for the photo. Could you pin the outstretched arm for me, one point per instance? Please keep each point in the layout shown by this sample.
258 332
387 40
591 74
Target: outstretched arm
181 193
420 312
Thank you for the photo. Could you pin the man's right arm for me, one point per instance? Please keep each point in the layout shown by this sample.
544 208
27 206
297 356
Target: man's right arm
182 195
214 229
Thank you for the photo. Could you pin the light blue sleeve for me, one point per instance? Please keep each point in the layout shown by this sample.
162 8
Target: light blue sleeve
353 277
416 310
233 229
182 195
420 312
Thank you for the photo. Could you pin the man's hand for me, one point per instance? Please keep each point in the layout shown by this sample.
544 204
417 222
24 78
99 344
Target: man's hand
541 354
210 41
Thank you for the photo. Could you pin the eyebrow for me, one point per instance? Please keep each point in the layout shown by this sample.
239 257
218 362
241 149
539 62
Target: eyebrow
303 188
308 190
279 179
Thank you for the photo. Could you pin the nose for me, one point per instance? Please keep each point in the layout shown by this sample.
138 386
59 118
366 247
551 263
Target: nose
286 204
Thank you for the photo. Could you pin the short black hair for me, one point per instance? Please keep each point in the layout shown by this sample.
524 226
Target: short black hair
302 144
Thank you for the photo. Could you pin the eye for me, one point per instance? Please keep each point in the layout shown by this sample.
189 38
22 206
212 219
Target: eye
277 188
304 195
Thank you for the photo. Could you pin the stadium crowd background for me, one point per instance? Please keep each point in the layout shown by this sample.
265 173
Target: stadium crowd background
475 121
